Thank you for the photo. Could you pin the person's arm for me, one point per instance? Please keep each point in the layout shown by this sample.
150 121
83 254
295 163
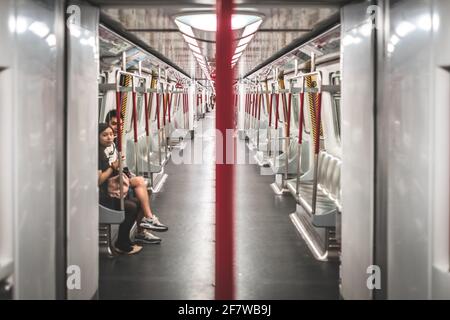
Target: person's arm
104 175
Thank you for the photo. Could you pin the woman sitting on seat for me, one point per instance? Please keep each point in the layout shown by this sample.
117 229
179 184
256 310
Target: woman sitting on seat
106 171
145 219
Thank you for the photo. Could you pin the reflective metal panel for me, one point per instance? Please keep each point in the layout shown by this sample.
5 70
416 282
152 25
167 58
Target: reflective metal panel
441 209
6 131
82 151
407 151
357 152
37 121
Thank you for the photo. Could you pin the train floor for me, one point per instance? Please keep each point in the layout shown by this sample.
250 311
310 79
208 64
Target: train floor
272 260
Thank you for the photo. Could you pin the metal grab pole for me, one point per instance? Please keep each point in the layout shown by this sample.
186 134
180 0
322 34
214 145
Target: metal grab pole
148 112
254 113
135 133
164 108
119 145
184 109
169 108
185 97
255 108
245 112
164 138
317 149
159 126
277 115
248 110
269 131
259 119
224 245
167 129
300 141
288 139
250 126
146 98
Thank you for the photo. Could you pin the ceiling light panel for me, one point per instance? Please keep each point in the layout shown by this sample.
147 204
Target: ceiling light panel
194 48
184 28
190 40
245 40
208 21
251 28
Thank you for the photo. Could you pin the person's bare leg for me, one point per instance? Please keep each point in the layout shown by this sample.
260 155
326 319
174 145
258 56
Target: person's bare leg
140 189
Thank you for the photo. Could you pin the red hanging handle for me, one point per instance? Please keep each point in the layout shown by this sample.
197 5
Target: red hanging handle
283 99
255 104
259 107
319 121
119 126
134 117
164 108
270 109
150 105
157 110
147 131
277 114
170 105
249 104
300 121
289 115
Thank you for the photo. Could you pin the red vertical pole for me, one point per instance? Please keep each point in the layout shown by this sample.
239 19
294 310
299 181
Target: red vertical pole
224 275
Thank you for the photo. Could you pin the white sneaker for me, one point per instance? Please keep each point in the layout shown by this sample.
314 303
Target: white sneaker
145 237
153 224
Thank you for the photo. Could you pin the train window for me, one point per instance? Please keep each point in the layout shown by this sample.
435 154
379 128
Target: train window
335 79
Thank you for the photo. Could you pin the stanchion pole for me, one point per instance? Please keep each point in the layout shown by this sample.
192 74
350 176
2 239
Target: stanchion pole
224 267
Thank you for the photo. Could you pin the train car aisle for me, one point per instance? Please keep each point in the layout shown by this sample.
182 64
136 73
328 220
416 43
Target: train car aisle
273 262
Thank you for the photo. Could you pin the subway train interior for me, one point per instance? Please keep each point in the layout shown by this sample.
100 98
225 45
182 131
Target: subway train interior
228 150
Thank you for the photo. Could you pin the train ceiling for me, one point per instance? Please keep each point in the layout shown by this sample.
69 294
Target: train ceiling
153 23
